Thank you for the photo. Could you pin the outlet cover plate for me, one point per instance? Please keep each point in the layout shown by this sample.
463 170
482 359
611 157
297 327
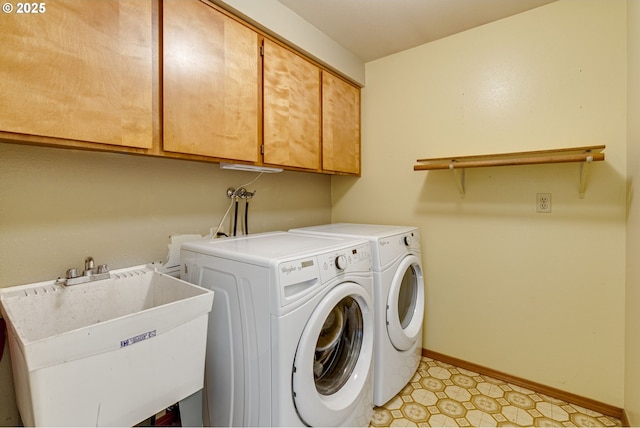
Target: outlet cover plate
543 202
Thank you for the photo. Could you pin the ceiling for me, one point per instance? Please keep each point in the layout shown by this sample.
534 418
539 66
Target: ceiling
373 29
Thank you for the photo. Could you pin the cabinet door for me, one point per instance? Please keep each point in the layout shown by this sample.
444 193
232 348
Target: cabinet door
210 81
79 70
340 125
291 108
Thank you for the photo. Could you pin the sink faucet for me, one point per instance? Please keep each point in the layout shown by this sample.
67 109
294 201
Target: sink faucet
88 266
89 274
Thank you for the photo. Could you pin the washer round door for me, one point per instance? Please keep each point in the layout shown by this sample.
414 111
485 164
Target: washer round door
405 304
334 357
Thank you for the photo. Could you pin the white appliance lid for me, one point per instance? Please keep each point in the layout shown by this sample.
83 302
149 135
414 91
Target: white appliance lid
359 230
272 245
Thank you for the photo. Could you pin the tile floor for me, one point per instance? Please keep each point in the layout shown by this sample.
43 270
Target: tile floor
446 396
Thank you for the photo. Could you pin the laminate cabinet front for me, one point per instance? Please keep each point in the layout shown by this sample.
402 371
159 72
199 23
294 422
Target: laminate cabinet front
340 125
78 70
88 74
291 108
210 83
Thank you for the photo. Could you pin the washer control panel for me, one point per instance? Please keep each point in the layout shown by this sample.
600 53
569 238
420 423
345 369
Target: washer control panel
300 278
350 260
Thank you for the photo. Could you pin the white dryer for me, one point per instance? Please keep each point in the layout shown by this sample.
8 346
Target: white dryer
399 300
290 337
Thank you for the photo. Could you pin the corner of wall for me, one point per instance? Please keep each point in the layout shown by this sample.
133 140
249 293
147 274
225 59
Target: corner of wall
632 292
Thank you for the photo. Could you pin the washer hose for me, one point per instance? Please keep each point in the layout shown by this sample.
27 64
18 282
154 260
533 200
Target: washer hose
235 219
246 216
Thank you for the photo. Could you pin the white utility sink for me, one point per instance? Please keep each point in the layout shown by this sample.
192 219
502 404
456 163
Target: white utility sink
105 353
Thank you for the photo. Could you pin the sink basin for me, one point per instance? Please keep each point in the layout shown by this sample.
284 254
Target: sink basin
105 353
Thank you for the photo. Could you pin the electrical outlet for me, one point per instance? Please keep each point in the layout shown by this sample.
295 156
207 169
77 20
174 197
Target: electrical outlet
543 202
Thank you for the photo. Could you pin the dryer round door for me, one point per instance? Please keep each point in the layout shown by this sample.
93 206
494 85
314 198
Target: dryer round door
405 304
334 357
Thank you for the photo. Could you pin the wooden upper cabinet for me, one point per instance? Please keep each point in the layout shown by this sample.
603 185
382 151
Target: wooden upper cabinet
340 125
291 108
210 83
78 70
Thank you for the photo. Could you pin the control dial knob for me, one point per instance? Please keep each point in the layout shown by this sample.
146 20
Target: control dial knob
407 240
341 262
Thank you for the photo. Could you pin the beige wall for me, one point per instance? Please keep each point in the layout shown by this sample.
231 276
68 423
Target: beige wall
59 206
540 296
632 360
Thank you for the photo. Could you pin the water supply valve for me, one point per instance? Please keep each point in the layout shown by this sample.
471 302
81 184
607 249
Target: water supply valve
240 193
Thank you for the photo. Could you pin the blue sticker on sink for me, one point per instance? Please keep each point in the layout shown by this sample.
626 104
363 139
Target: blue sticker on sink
138 338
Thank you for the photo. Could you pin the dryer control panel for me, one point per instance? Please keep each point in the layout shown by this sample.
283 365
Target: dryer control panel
393 247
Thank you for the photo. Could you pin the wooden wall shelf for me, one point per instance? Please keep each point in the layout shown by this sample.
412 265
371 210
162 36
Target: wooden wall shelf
458 164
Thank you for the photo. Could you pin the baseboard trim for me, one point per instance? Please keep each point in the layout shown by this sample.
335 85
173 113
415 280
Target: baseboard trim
588 403
625 419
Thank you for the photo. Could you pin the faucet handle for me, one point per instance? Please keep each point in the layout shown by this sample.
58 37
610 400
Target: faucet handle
72 273
103 268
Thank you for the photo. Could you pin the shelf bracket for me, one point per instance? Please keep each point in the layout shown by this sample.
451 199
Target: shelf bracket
584 173
459 176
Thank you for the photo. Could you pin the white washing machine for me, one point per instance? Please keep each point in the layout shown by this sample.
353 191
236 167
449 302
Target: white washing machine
399 300
290 337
